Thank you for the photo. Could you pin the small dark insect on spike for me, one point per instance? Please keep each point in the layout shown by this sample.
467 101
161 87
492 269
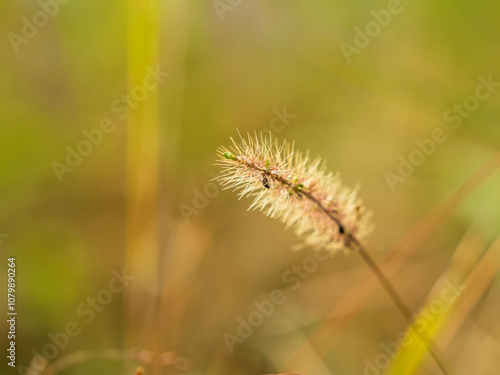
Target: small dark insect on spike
341 229
266 183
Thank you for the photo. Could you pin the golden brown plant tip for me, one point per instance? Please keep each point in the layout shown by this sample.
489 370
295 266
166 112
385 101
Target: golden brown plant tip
296 189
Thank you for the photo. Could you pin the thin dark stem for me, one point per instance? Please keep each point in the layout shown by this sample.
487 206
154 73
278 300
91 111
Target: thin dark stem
353 243
386 284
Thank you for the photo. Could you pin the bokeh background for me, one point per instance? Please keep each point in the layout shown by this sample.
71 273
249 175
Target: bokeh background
143 199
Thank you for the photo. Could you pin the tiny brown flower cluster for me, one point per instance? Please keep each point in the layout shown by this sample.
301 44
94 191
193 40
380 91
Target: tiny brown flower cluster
298 190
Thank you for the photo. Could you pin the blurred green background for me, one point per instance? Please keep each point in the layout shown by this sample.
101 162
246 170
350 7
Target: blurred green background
233 66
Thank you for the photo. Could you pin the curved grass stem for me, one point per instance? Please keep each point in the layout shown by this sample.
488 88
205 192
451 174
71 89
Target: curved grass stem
403 309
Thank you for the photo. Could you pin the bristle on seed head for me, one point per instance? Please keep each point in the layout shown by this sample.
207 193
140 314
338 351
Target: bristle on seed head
299 191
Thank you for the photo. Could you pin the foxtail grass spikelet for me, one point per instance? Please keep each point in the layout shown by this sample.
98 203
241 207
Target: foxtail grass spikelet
296 189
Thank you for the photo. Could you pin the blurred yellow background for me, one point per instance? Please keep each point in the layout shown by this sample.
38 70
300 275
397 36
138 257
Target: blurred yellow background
111 115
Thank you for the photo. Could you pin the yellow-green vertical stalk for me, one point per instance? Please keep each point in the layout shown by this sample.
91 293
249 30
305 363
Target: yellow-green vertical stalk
142 172
446 320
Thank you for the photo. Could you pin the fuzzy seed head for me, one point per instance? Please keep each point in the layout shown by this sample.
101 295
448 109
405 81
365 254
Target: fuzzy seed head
296 189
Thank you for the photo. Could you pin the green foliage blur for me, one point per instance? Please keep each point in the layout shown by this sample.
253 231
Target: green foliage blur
244 67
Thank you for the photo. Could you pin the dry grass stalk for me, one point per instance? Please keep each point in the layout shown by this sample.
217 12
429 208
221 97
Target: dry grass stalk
288 185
